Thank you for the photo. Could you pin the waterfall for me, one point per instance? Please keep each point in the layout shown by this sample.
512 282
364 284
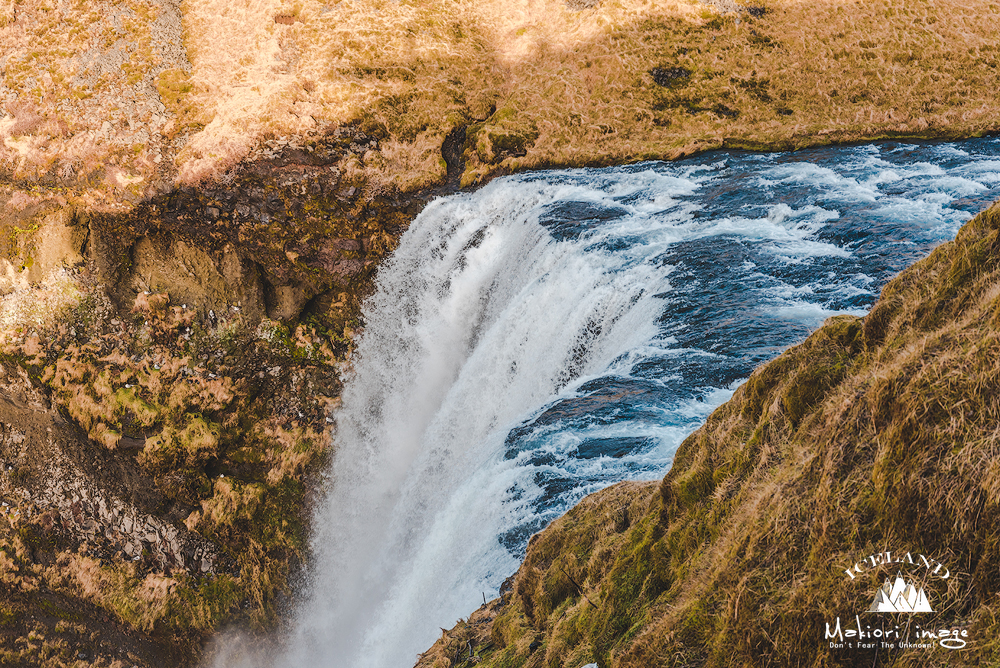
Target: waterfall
480 317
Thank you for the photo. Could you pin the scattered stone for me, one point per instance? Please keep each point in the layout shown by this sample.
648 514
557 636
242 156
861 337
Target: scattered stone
669 77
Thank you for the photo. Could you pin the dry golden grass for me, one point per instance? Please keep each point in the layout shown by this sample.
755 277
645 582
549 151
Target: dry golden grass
69 68
537 83
578 84
875 434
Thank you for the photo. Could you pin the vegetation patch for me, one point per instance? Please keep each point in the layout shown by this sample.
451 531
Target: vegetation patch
200 405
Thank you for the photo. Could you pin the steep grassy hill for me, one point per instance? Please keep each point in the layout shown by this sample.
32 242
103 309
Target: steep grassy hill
875 435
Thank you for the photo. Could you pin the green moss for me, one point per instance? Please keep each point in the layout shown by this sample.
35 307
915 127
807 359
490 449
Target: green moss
144 413
177 603
505 134
189 445
176 92
7 615
58 611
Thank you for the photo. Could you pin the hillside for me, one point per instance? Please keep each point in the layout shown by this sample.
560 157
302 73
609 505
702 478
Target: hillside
875 436
116 103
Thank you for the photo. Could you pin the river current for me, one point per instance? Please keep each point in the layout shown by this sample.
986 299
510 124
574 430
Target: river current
556 332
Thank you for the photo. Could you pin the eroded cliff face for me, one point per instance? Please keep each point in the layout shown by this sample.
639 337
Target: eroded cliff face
876 435
194 198
169 376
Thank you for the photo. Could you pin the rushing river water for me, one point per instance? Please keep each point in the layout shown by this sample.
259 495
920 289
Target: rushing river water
556 332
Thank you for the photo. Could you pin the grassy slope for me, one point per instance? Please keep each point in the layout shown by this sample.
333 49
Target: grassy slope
874 434
574 87
537 83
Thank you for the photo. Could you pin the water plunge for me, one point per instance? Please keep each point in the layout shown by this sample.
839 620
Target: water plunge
556 332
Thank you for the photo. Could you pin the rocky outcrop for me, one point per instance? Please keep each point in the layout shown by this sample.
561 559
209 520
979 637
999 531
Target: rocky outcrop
52 474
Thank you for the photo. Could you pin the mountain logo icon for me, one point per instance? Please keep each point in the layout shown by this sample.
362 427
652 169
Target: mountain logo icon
900 596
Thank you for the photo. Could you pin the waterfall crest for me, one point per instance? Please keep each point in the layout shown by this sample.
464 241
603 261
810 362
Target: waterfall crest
480 317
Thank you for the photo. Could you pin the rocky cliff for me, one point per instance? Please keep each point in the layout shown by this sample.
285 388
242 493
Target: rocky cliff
869 450
194 197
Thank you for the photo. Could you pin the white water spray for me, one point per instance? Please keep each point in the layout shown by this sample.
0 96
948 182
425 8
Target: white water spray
479 318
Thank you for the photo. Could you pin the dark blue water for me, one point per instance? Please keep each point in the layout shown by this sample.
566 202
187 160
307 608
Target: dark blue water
772 244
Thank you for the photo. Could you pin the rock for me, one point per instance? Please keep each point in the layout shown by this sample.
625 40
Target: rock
190 275
670 77
287 301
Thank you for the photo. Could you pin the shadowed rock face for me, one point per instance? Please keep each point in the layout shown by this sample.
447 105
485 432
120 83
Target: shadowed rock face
72 505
